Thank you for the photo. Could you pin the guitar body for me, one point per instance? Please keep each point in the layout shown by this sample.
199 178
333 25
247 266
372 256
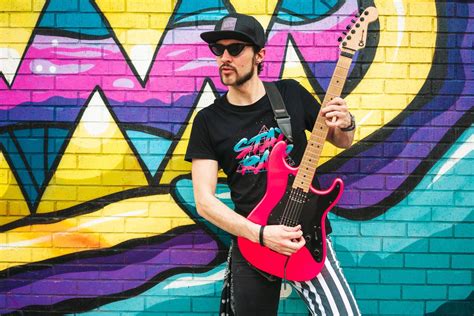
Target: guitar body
309 260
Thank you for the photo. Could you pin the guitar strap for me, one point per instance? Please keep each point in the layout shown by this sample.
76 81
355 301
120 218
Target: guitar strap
281 115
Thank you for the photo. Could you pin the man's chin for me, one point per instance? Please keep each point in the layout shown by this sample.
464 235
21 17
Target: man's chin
226 81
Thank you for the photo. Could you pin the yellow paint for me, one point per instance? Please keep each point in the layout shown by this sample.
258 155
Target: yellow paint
140 26
177 166
12 202
93 164
293 69
261 10
394 95
116 223
178 156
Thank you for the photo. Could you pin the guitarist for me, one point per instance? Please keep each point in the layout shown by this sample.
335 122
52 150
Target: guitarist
236 133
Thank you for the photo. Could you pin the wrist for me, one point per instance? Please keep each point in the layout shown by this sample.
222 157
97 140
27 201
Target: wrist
260 235
352 125
254 232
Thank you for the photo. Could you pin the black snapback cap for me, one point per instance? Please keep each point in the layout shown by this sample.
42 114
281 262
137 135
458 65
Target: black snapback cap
237 26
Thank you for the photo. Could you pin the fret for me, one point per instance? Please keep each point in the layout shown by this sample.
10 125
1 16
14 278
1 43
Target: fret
320 130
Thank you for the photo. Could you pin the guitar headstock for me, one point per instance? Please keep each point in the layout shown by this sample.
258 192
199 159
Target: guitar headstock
356 34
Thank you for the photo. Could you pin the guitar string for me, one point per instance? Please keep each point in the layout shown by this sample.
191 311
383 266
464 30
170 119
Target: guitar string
286 212
288 208
296 199
293 207
292 201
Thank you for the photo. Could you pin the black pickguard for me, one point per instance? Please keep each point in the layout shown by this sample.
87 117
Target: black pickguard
310 219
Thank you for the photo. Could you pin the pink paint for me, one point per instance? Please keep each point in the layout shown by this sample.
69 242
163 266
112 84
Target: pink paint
181 64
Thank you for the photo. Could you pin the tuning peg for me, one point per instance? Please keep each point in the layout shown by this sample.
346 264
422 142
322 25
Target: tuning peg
345 33
361 9
357 15
339 39
353 21
348 27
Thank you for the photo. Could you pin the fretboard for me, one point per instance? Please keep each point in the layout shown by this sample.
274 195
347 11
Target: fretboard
318 136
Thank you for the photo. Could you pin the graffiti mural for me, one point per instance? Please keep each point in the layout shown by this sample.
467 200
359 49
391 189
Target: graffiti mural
97 99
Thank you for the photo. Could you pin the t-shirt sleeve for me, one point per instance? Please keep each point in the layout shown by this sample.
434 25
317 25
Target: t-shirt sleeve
311 107
200 144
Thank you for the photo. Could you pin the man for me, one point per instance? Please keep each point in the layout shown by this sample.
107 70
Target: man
236 134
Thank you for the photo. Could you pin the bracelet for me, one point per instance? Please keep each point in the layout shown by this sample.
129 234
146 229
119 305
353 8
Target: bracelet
260 235
350 127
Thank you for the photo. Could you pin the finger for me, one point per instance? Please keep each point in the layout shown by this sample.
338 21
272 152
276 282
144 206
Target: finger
332 124
295 235
291 229
336 100
334 107
333 119
295 247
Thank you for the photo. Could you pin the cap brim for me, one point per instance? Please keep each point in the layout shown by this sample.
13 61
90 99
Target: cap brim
214 36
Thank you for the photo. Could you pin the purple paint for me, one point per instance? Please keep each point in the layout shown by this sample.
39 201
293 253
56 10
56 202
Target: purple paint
107 275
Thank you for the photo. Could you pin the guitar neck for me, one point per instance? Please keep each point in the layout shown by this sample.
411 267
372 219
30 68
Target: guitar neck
314 148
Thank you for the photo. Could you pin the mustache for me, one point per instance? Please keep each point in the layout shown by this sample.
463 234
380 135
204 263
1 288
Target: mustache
228 66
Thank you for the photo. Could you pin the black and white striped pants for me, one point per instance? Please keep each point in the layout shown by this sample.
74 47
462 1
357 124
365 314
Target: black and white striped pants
328 293
250 292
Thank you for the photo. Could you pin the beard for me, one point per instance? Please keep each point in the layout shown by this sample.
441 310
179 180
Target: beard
240 80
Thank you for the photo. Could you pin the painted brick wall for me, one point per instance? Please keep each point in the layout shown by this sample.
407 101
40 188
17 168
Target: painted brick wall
97 98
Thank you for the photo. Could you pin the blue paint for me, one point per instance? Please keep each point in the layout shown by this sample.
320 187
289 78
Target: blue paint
151 149
429 233
33 149
296 11
203 10
56 139
23 177
65 16
184 192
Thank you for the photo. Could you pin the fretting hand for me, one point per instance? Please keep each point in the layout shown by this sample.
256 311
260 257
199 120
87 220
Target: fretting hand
336 113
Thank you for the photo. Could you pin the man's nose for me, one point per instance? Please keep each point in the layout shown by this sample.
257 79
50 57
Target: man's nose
226 56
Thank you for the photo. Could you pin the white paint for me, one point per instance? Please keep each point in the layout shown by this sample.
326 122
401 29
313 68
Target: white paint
9 62
141 57
108 219
52 69
366 117
398 4
198 63
96 117
291 55
206 98
187 282
176 52
123 83
463 150
39 68
224 195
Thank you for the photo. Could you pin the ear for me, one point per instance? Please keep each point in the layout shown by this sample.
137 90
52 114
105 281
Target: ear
260 56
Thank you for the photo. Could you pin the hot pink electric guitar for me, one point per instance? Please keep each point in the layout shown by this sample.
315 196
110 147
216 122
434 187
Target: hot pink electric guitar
290 199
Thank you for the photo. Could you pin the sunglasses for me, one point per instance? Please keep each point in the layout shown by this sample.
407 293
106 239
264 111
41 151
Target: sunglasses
233 49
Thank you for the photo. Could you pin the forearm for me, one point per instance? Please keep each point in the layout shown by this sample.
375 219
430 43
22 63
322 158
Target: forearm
219 214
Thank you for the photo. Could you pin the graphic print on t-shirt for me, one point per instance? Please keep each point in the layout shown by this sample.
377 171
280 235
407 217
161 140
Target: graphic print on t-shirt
253 153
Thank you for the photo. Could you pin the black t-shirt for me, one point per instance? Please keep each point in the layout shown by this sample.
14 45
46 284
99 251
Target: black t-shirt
240 139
